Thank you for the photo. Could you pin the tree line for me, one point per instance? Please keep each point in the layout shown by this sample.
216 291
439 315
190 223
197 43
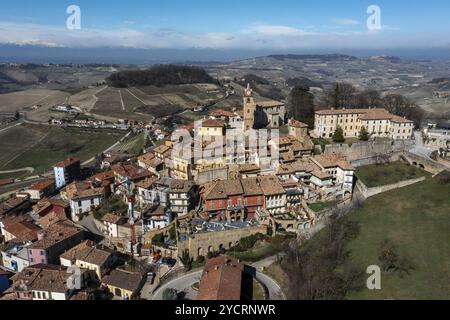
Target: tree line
160 75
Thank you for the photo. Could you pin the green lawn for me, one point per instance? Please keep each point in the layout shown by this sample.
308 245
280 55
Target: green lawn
319 206
383 174
41 147
417 220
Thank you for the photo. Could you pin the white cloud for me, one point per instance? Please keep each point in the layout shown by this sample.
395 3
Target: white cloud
346 22
256 36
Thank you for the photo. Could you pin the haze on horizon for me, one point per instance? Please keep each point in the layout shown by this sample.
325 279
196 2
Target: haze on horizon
218 31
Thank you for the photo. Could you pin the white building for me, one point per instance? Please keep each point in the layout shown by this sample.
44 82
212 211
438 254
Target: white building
66 171
378 123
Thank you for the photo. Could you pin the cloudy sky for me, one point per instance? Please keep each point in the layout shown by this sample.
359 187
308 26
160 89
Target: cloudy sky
247 25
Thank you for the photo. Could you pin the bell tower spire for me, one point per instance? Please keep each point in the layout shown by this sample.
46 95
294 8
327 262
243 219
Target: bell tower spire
249 108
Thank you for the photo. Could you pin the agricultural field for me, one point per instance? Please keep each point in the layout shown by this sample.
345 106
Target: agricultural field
85 99
24 100
133 145
40 147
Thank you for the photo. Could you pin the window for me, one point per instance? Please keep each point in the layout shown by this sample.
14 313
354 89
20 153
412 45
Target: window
79 203
42 253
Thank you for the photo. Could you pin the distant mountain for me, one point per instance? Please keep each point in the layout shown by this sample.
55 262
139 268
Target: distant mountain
323 57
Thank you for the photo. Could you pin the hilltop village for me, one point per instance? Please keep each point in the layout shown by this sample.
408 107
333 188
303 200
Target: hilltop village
129 225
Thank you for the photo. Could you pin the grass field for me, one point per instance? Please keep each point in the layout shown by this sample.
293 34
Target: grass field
41 147
417 220
383 174
134 145
319 206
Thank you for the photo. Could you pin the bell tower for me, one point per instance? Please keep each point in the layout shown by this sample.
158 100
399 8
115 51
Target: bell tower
249 108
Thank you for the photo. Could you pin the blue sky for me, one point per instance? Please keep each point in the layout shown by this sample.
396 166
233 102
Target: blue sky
228 24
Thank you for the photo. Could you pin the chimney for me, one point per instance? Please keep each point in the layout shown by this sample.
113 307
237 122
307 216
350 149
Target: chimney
41 235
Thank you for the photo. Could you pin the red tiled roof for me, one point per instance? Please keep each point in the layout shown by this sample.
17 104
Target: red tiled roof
221 279
42 185
66 163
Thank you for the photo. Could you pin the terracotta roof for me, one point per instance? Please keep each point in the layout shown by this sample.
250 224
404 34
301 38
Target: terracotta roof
342 111
398 119
102 176
24 230
123 279
67 163
251 187
162 149
271 185
81 190
297 124
376 114
42 185
154 211
333 160
270 104
87 252
147 182
221 113
223 189
212 123
132 171
149 159
11 204
112 218
47 278
321 174
221 279
366 114
56 233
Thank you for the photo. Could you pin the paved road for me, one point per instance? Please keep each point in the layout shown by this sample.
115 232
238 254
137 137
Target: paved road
29 169
186 281
10 127
419 149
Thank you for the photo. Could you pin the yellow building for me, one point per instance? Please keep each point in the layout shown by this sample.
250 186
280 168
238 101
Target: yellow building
123 284
212 128
378 122
87 256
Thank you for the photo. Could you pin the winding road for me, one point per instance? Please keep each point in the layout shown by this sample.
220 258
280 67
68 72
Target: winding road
186 281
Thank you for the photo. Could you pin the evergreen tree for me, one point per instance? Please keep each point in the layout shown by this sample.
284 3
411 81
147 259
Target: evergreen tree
301 105
338 135
364 134
187 260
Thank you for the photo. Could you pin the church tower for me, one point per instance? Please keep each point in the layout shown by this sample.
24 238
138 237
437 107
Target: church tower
249 108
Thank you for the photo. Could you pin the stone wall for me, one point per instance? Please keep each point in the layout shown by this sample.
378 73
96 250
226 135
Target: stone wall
202 243
369 149
370 192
